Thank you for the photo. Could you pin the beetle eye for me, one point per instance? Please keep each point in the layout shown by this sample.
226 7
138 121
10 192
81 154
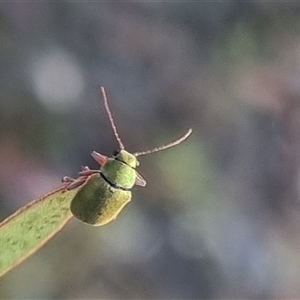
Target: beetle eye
116 152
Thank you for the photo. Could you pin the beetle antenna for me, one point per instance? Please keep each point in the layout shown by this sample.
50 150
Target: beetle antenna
112 123
163 147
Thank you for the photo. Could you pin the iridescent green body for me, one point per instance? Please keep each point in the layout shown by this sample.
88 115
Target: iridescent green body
104 195
98 203
120 170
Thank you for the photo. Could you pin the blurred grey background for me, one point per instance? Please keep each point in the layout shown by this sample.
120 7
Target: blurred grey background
220 215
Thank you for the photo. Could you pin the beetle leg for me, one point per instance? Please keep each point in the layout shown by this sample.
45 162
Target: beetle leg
88 172
67 179
76 182
72 183
99 158
85 168
139 180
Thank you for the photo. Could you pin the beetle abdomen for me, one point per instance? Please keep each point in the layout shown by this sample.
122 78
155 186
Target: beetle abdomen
97 202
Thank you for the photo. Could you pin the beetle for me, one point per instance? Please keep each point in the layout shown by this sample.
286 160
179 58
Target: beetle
106 191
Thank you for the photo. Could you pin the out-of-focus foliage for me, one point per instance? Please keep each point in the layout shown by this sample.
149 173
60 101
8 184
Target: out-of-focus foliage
220 216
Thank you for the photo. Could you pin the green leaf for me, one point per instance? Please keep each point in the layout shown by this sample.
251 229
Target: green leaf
30 227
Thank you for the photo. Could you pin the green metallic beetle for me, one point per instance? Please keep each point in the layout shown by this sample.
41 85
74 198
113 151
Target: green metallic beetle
106 191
